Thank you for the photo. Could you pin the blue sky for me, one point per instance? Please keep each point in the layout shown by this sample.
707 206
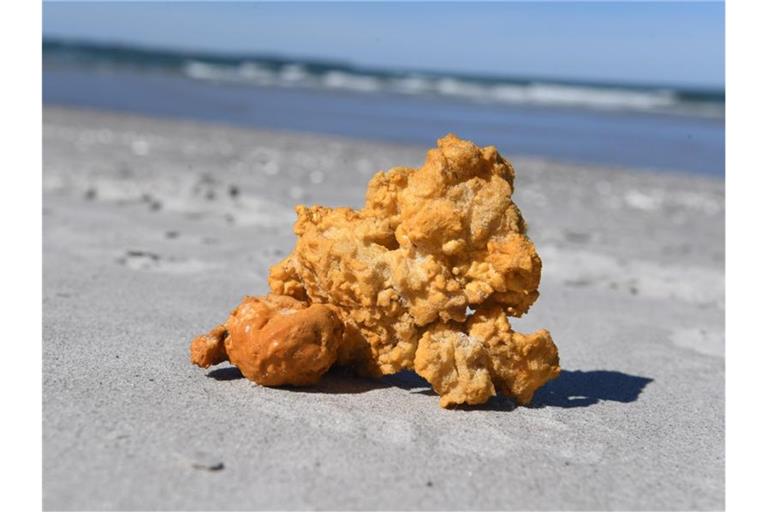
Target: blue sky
674 43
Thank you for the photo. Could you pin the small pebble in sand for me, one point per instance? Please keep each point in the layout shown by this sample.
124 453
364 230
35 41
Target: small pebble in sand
154 203
212 467
139 260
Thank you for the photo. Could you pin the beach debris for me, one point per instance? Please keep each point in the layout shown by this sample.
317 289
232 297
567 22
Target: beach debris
203 461
422 278
139 260
212 467
274 340
151 261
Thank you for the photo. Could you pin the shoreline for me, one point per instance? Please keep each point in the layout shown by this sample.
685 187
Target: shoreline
538 160
586 135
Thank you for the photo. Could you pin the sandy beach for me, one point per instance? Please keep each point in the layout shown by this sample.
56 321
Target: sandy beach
154 229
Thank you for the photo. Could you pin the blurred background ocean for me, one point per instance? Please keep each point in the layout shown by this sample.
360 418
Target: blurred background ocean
636 85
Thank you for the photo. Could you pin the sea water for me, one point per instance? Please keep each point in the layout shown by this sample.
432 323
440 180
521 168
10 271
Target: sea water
646 127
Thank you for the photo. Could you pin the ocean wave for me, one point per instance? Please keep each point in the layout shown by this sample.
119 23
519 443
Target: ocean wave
281 72
534 93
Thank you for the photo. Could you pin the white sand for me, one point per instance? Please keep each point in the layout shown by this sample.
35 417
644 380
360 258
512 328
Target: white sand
154 229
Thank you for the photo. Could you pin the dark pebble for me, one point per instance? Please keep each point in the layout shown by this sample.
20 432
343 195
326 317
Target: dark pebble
209 467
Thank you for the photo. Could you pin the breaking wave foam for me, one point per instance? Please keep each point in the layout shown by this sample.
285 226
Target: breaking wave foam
282 72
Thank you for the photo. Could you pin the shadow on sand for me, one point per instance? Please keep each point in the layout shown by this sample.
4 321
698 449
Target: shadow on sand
572 389
225 373
339 381
582 389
